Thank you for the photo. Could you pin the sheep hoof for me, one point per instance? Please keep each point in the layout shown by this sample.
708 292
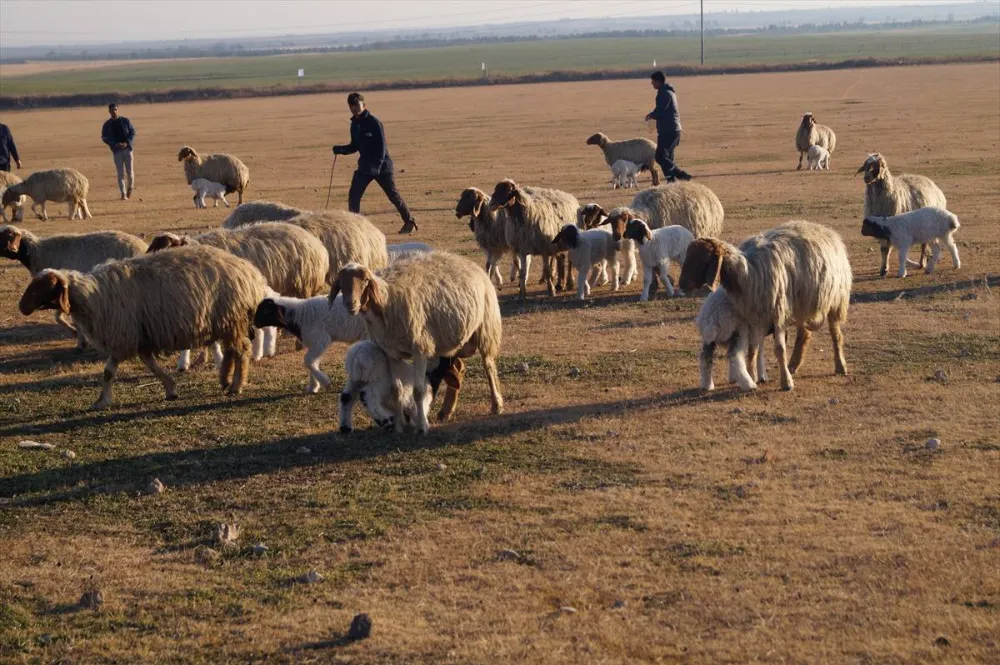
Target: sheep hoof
344 429
100 405
171 398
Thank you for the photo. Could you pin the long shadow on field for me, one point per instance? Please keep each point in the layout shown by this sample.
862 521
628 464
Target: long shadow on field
34 333
193 467
929 289
42 359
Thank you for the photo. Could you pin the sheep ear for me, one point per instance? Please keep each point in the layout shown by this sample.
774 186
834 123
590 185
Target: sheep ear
599 210
476 209
606 221
373 297
280 316
649 234
715 269
62 293
334 290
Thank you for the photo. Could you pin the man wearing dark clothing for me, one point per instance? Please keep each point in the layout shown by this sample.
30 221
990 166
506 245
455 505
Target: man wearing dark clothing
374 163
119 133
668 128
7 149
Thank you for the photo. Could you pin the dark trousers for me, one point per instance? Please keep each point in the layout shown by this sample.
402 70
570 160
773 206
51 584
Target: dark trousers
385 180
665 145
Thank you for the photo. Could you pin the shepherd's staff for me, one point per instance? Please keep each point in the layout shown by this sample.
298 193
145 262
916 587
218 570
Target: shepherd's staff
329 190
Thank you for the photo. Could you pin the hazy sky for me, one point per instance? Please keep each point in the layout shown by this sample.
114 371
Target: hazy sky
27 22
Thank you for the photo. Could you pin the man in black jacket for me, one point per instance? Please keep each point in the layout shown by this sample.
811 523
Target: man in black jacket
668 128
374 163
118 133
7 149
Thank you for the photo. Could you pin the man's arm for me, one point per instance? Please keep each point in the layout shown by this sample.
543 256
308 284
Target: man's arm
378 142
12 149
131 131
106 133
346 149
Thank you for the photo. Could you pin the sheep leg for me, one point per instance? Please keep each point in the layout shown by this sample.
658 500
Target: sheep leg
935 257
420 393
45 215
226 369
496 399
66 323
348 398
665 276
923 253
652 172
705 360
781 351
168 384
886 249
524 262
761 364
949 242
71 210
514 267
566 268
316 376
616 281
738 355
223 197
647 279
241 361
583 284
801 155
839 363
184 361
107 379
631 268
550 287
400 399
452 386
217 354
270 341
903 251
802 337
257 345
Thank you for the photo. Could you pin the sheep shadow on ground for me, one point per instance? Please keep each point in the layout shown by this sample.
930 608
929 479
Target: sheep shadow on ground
34 333
43 359
227 462
983 281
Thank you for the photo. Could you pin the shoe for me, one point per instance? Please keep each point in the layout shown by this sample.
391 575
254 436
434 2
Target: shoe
409 227
124 197
128 194
683 175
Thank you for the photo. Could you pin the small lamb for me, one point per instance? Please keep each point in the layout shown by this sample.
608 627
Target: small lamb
818 158
656 248
206 188
588 250
718 323
623 173
924 225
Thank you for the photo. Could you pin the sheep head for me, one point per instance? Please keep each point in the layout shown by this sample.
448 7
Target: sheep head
166 241
568 238
598 139
471 203
48 290
808 120
637 230
590 216
617 219
269 314
702 265
362 290
874 168
872 227
186 153
10 197
505 195
10 242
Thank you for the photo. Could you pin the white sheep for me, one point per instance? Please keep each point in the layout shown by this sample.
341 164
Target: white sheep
718 323
588 250
314 322
797 273
812 133
489 229
429 305
925 226
56 185
120 307
207 189
404 249
592 216
639 151
252 212
623 173
656 248
818 158
17 205
228 170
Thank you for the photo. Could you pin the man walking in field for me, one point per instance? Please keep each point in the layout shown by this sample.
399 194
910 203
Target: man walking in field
668 128
374 163
7 149
119 133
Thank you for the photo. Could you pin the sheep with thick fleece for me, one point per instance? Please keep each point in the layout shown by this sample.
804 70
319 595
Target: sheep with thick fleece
687 204
348 238
403 249
588 250
489 227
56 185
253 212
534 216
623 173
925 226
656 248
639 151
719 323
426 306
812 133
314 322
158 303
818 158
887 195
207 189
797 273
17 204
228 170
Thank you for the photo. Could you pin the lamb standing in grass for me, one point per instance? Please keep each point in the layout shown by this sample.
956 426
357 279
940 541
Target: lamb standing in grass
56 185
924 226
623 173
656 249
818 158
719 323
207 189
588 250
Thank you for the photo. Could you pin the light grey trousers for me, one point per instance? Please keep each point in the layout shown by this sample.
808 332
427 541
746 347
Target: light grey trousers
123 164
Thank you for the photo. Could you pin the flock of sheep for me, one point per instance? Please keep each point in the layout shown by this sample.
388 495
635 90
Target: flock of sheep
329 276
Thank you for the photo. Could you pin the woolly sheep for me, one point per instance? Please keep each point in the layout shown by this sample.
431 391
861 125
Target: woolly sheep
225 169
404 249
623 173
252 212
796 273
926 226
428 305
887 195
534 216
348 238
718 323
818 158
158 303
656 249
811 133
17 205
489 229
639 151
204 188
587 251
56 185
688 204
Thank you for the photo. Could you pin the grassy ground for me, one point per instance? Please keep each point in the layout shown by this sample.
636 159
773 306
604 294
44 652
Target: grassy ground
614 515
512 59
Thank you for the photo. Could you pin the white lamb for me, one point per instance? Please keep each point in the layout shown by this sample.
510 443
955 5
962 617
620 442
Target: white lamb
656 249
719 323
818 158
921 226
206 188
588 251
370 381
623 173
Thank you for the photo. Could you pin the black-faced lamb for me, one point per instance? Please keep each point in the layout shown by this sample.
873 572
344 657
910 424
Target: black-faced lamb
924 226
639 151
225 169
56 185
656 249
588 251
812 133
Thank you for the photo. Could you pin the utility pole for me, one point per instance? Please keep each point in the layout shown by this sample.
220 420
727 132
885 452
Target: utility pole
702 32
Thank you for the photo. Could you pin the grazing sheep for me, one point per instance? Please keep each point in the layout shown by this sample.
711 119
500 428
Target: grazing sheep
640 151
925 226
252 212
818 158
204 188
887 195
17 205
314 322
588 250
489 229
534 216
719 323
656 248
428 305
623 173
57 185
224 169
811 133
158 303
797 273
404 249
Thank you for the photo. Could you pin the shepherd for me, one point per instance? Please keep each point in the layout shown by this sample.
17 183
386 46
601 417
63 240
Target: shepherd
668 127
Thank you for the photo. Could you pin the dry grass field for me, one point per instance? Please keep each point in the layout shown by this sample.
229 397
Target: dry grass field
649 522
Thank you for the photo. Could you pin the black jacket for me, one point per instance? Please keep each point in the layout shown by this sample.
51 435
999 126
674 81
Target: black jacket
7 148
118 131
668 118
368 138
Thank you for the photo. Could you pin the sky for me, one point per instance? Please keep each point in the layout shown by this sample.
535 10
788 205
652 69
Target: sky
43 22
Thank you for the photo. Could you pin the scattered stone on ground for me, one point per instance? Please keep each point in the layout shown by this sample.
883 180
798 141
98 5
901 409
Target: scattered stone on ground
155 487
361 627
91 599
35 445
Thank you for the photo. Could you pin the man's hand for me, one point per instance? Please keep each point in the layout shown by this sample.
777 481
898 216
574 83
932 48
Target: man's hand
336 150
18 162
649 116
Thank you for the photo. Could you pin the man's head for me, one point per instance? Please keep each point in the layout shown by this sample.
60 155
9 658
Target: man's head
113 110
356 102
657 79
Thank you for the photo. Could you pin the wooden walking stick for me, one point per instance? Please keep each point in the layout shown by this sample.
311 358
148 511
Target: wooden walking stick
329 190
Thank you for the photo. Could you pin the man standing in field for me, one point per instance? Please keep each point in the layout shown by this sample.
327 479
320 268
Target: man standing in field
7 148
374 163
668 128
119 133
